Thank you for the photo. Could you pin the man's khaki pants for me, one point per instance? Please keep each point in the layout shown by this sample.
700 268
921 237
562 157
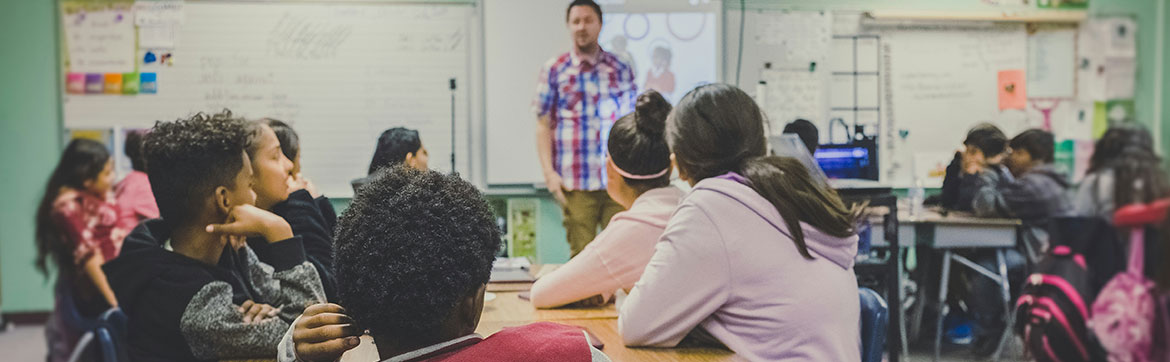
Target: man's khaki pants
584 212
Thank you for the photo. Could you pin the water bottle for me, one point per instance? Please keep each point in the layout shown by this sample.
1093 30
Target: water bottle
917 197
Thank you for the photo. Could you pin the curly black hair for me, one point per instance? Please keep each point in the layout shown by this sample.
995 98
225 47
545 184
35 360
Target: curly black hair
409 247
188 158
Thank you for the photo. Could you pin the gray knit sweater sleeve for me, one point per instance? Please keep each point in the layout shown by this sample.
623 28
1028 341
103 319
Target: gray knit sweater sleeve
214 327
292 289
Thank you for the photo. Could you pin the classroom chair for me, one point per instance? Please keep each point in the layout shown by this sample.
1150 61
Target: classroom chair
875 317
110 339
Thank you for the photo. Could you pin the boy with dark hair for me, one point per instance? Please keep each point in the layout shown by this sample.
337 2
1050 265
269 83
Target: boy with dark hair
180 304
807 132
414 255
979 163
1037 191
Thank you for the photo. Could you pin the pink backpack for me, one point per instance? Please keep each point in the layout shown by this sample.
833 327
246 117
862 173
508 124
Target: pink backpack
1123 314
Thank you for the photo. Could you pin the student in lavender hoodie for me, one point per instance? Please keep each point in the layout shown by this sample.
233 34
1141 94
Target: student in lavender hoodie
758 255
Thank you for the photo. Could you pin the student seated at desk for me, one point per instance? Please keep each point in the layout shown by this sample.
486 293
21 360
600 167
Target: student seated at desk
290 145
978 164
1035 193
1123 169
807 132
758 256
1036 190
639 179
78 230
183 306
414 254
289 196
397 145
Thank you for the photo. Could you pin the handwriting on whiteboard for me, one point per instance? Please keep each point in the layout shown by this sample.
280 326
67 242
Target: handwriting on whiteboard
303 38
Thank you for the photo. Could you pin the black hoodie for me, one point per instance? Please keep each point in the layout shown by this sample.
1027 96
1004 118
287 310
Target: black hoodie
181 309
310 222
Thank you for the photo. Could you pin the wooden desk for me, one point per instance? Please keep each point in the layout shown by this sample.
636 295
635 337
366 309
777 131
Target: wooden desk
954 230
508 310
508 307
957 230
606 329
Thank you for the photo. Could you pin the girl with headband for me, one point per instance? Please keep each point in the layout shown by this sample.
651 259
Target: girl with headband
638 173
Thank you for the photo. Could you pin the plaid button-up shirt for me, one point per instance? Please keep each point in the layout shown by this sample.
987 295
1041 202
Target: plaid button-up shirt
582 98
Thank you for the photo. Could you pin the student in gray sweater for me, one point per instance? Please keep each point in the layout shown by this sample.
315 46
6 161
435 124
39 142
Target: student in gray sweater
182 305
1035 190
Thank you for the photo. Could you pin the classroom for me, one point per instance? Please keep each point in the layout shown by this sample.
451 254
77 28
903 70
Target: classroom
548 180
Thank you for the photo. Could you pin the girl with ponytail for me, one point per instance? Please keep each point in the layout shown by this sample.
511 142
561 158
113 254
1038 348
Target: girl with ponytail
758 255
639 172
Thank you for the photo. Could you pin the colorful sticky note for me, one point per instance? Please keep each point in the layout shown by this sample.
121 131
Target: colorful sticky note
130 83
148 83
93 83
1012 92
113 83
75 83
1100 120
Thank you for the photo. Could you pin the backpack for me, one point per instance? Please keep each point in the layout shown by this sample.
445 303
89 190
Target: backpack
1053 308
1123 315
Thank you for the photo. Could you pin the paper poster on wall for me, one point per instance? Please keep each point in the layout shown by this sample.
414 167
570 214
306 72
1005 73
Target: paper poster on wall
102 135
522 227
802 37
1066 118
1120 75
1121 35
1090 64
1072 157
1052 63
793 94
99 38
154 13
671 53
1012 90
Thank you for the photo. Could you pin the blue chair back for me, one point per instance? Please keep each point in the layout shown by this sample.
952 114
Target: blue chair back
111 336
875 318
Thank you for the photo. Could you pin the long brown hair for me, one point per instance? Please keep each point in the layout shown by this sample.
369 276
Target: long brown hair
1128 150
82 161
717 128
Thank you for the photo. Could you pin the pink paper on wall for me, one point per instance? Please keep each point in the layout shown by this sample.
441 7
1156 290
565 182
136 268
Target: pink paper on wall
1012 92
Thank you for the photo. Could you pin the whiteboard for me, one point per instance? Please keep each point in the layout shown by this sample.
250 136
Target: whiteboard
940 81
340 74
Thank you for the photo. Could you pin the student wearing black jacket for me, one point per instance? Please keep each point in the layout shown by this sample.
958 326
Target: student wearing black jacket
181 303
277 175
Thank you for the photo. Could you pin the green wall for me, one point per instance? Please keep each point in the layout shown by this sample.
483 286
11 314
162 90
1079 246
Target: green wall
30 141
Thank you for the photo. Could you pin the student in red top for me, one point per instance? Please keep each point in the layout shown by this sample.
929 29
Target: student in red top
414 253
78 231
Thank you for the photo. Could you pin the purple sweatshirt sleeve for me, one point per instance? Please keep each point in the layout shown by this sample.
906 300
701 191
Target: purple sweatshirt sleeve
686 281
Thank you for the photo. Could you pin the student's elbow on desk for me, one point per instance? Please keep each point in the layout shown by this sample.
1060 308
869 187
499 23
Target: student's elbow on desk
635 335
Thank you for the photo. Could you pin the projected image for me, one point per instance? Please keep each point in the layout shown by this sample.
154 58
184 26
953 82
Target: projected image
671 53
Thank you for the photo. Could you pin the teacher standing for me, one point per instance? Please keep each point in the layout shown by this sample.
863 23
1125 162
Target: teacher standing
579 96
